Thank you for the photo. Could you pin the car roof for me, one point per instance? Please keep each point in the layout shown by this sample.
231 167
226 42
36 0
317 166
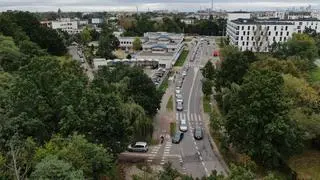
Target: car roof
141 143
183 121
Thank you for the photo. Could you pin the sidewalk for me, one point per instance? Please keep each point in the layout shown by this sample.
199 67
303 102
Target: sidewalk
161 121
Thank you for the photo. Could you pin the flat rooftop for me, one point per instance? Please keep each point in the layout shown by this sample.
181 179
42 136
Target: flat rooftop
262 22
143 53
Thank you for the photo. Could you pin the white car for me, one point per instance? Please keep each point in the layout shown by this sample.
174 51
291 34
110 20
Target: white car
183 125
184 73
138 147
178 90
179 98
179 106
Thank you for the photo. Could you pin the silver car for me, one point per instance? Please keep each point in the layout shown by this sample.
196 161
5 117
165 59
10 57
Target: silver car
179 106
183 125
138 147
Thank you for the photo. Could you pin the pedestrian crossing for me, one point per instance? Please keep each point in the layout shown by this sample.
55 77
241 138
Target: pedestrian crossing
166 152
154 152
193 119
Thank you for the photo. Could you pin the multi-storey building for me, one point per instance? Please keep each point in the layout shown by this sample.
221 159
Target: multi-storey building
259 35
69 26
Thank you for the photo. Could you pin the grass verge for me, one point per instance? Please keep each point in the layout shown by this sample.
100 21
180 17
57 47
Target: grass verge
172 128
307 164
164 85
170 104
182 58
206 104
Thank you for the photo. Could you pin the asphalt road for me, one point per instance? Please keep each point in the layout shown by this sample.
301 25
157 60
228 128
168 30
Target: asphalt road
72 50
197 155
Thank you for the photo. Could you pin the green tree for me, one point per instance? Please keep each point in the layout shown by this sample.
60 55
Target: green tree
234 66
11 59
85 36
137 44
208 71
107 43
258 123
91 159
240 173
207 87
53 168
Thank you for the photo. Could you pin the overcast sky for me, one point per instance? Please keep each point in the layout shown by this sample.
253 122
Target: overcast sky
144 5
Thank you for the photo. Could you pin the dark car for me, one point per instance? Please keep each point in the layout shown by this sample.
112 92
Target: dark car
177 137
198 133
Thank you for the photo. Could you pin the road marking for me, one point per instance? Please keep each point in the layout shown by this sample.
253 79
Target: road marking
197 148
177 116
149 160
199 118
198 153
200 158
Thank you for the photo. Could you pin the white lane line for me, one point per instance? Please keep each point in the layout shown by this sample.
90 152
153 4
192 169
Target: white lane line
189 117
198 153
197 148
199 118
177 116
200 157
184 116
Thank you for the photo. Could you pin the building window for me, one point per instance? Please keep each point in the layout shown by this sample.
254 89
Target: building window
261 33
288 33
281 33
254 43
248 33
299 31
286 28
242 27
253 27
280 38
247 43
300 23
252 38
274 38
285 39
267 27
244 33
242 43
275 28
277 33
281 28
241 38
248 27
299 27
269 33
247 38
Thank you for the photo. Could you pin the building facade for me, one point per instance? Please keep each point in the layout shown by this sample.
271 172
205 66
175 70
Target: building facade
259 35
69 26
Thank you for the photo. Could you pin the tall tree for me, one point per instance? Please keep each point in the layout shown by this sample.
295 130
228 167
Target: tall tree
85 36
258 123
53 168
107 43
137 44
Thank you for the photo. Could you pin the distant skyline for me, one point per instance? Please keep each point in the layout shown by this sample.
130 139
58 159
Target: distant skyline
144 5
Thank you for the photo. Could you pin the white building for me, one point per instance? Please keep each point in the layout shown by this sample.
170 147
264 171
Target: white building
258 35
187 21
96 21
69 26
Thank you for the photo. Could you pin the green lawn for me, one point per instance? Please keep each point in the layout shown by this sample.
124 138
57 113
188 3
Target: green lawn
170 104
182 58
315 75
173 128
307 164
206 104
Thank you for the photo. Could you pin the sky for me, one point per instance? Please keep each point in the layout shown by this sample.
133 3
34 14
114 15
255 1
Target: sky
145 5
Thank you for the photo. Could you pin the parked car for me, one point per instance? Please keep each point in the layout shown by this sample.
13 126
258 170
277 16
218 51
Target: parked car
179 98
183 125
177 137
138 147
179 106
198 133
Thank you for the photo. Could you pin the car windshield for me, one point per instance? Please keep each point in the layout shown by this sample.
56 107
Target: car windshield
179 96
198 131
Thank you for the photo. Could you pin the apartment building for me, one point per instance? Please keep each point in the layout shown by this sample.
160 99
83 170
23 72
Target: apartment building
69 26
259 35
